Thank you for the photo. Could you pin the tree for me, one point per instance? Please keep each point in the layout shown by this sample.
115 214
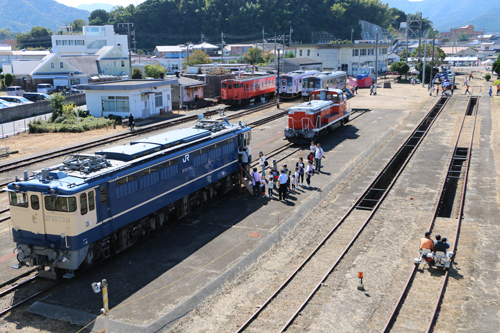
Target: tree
57 102
290 54
439 54
198 57
401 67
37 37
463 37
496 66
487 77
78 24
8 79
429 75
154 70
6 34
98 17
254 56
136 74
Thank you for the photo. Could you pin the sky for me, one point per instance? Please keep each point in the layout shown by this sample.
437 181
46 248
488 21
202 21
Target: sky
74 3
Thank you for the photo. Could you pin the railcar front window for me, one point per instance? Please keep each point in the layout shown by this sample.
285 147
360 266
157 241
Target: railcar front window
60 204
318 84
35 202
224 85
289 81
18 199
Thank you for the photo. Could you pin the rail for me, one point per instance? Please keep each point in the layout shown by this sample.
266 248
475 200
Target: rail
439 106
394 314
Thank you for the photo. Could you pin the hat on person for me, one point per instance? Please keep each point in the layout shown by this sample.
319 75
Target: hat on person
427 233
260 152
284 164
274 161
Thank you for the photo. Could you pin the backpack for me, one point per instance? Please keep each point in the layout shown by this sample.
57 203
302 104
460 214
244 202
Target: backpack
265 163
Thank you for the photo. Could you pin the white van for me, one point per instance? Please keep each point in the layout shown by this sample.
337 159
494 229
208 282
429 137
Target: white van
45 88
15 91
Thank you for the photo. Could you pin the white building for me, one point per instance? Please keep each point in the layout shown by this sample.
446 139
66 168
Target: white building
142 98
92 40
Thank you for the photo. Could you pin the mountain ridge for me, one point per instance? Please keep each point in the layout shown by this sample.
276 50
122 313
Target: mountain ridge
22 15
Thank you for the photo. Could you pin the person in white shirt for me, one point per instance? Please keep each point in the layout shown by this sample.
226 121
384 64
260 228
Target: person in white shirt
309 173
319 155
244 157
283 180
262 163
270 187
312 148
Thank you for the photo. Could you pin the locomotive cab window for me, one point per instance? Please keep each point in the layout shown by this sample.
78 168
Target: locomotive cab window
35 202
60 204
91 201
83 203
224 85
18 199
104 196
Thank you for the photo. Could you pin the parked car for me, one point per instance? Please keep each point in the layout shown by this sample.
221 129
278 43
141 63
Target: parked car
6 104
73 92
45 88
15 91
34 97
62 89
17 100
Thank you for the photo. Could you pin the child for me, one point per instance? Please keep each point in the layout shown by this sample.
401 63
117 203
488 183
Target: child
292 182
271 186
263 187
297 175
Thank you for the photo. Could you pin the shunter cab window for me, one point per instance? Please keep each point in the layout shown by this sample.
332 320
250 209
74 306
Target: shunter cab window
18 199
60 204
35 202
224 85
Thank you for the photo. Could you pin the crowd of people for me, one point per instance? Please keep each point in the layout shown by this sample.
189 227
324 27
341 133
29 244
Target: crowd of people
282 181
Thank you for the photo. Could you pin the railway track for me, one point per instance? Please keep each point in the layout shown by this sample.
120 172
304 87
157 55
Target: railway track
99 142
25 283
425 291
260 122
299 288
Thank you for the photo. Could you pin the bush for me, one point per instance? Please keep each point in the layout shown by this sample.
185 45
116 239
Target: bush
487 76
8 79
136 74
72 125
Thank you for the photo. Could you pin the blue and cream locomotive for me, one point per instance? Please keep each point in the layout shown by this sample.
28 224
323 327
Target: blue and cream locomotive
92 206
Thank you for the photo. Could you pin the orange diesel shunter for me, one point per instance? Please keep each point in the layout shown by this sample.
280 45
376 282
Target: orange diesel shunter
243 90
325 111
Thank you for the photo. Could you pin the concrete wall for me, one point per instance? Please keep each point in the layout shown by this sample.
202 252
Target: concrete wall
28 110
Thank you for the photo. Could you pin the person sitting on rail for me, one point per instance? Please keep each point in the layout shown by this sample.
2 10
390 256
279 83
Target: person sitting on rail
445 240
440 246
426 242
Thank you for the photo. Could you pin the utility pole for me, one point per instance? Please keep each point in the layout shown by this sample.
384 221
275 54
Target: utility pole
425 55
352 31
290 40
376 62
263 40
222 46
433 43
275 50
201 42
278 82
129 54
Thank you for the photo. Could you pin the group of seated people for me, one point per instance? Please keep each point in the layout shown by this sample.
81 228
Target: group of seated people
440 245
